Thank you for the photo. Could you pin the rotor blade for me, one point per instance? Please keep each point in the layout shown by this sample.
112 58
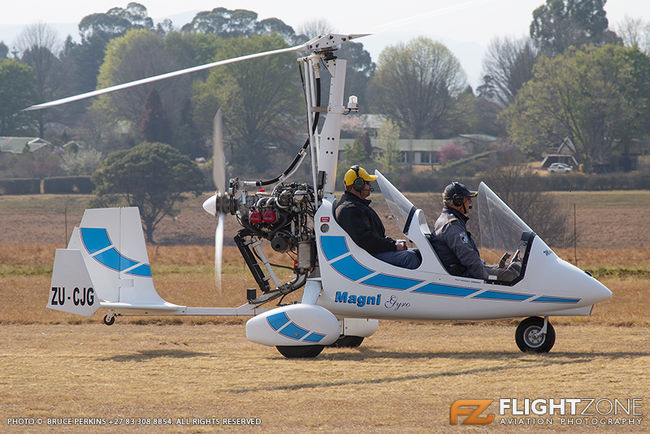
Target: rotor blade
161 77
359 35
218 159
218 251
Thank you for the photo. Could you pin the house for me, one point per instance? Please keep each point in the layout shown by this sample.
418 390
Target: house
425 152
19 145
565 153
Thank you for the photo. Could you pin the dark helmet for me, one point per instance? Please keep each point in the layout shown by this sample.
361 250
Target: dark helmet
456 192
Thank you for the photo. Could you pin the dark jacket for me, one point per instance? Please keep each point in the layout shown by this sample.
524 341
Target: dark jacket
362 224
455 246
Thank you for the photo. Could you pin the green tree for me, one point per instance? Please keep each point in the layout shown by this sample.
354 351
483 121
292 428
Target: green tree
116 21
390 159
559 24
357 153
260 100
415 84
597 96
151 176
139 54
237 23
16 93
153 125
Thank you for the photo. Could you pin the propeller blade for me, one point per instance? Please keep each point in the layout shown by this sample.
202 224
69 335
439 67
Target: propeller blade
162 77
218 158
218 251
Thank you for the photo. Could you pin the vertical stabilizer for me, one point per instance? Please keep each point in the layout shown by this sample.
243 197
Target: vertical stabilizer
108 248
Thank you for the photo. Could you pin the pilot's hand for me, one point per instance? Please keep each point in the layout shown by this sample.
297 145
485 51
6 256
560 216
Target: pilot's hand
400 245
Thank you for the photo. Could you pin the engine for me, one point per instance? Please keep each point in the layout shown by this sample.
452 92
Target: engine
282 217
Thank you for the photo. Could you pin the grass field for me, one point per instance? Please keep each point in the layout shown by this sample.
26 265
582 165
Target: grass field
403 378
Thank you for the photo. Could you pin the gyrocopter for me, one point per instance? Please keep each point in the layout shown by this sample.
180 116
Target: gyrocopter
345 289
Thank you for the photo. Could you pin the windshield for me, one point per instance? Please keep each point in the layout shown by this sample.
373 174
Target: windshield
501 230
399 205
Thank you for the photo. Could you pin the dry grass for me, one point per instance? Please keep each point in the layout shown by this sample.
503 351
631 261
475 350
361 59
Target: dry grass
403 379
184 275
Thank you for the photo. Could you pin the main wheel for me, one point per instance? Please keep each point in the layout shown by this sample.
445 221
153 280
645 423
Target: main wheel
528 338
347 342
300 352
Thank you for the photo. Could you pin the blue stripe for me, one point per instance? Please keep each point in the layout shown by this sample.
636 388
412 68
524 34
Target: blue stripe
112 259
350 268
432 288
556 300
314 337
95 239
277 320
293 331
141 270
496 295
386 281
333 247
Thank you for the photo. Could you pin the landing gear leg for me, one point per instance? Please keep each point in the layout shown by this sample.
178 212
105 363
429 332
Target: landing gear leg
535 335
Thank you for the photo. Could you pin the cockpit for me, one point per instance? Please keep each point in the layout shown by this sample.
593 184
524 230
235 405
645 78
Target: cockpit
504 239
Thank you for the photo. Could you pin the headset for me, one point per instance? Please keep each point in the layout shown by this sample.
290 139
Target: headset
359 183
457 198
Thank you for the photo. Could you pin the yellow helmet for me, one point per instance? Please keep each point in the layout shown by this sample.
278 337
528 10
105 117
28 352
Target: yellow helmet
357 177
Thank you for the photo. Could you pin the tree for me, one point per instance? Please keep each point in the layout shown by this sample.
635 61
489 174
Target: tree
260 100
16 93
39 46
237 23
115 22
388 140
559 24
153 125
598 97
4 50
633 31
151 176
139 54
507 65
451 152
415 85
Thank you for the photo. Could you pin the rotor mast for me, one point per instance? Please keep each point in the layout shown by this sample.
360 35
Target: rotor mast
325 145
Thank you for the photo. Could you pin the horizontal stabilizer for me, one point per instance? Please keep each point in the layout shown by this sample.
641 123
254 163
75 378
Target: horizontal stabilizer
72 289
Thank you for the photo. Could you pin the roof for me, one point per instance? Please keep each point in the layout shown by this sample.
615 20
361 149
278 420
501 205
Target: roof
18 145
426 145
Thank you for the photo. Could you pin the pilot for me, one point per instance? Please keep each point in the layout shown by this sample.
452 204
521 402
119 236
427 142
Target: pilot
453 242
361 222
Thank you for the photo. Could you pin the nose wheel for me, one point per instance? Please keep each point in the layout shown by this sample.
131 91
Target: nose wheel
535 335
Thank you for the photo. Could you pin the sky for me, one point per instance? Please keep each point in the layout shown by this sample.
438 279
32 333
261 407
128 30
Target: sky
466 27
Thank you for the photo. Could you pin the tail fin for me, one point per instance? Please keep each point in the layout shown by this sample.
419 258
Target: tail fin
107 263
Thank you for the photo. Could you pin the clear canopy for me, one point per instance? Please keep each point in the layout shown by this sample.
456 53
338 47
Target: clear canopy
398 204
500 228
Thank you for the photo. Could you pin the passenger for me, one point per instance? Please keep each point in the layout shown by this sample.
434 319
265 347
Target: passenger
361 222
453 242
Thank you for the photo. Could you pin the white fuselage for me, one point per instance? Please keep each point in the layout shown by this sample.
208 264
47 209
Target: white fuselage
356 284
